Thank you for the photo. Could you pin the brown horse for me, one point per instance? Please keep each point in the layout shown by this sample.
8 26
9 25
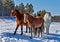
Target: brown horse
39 29
19 19
34 22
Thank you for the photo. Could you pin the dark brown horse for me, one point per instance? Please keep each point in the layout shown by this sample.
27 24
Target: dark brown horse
19 19
34 22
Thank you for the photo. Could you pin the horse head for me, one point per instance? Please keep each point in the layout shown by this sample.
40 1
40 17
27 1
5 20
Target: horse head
15 12
28 18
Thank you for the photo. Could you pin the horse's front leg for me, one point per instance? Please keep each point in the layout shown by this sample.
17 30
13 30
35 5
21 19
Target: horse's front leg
35 31
31 33
16 29
29 29
39 30
47 29
21 30
26 29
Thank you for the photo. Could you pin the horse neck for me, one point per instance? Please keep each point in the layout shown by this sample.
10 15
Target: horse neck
47 18
30 18
19 16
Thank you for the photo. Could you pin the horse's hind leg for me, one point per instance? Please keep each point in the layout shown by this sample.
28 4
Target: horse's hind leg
41 32
16 29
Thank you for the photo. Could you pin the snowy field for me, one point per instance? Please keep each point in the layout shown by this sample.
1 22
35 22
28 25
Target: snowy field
8 25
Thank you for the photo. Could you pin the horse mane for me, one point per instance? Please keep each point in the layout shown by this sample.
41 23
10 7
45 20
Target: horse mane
19 14
17 11
30 15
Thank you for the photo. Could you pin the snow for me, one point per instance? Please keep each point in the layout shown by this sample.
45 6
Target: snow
8 25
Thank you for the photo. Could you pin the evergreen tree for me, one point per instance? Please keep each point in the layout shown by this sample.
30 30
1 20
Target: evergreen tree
29 8
8 4
17 7
21 7
0 2
1 7
41 13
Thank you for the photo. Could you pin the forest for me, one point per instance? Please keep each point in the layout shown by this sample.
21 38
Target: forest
7 5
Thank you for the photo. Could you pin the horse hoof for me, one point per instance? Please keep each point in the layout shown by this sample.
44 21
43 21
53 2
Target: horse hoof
47 33
14 33
26 32
21 33
29 32
30 37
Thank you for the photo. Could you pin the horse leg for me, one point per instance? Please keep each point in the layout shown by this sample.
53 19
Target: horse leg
29 29
31 34
39 30
47 30
42 30
21 30
35 32
26 29
16 29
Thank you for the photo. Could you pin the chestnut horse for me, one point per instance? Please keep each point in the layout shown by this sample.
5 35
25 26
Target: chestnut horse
19 19
34 22
39 29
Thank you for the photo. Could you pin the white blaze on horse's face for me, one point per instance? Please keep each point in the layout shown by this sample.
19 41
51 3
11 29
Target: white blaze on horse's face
12 13
25 18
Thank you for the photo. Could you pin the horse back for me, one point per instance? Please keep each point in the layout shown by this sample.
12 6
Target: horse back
37 21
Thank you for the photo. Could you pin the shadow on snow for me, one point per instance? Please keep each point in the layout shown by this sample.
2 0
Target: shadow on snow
53 37
18 36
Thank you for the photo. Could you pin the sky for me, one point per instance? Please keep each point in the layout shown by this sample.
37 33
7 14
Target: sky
52 6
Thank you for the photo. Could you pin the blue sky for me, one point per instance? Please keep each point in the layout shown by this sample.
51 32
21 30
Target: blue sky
52 6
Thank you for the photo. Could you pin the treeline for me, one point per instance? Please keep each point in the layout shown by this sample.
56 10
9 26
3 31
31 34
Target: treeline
55 18
29 8
7 5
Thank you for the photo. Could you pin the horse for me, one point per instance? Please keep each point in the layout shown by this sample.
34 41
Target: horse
47 22
34 22
19 19
39 29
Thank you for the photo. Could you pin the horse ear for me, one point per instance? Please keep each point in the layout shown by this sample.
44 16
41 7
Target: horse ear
12 9
27 13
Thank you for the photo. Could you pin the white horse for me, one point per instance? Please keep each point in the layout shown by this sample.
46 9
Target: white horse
47 22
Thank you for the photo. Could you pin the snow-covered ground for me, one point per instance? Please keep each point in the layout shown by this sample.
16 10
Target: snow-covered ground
7 27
